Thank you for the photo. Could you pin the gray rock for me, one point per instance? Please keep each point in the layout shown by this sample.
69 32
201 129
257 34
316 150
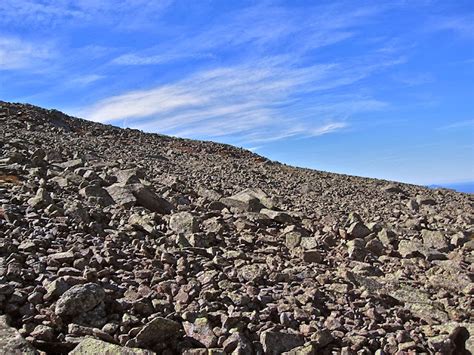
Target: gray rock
121 195
201 331
79 299
435 240
148 199
90 346
97 193
251 200
358 230
184 222
11 342
278 342
157 331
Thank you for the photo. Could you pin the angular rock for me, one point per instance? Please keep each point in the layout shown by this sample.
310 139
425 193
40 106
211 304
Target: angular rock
121 195
435 240
157 331
11 342
278 342
79 299
184 222
250 199
358 230
201 331
148 199
91 346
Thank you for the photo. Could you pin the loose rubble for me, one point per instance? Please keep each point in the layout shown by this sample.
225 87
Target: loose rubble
113 240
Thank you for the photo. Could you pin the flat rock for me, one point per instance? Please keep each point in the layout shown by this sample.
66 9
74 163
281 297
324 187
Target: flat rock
278 342
201 330
358 230
91 346
184 222
11 342
156 331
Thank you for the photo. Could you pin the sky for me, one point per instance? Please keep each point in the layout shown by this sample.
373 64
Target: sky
377 88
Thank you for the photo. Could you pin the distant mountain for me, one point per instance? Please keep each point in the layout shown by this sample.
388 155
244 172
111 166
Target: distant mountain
467 187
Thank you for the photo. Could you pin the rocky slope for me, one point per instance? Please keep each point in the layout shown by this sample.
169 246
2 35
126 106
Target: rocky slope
136 243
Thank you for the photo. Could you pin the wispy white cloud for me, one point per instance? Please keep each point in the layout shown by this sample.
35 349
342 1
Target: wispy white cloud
249 30
16 53
259 101
87 79
463 25
51 13
414 79
459 124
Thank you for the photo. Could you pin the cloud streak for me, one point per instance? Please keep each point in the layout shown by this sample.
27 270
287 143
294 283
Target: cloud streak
51 13
255 102
19 54
272 92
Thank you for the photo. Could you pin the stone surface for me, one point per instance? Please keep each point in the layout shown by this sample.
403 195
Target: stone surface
173 245
11 342
91 346
156 331
278 342
79 299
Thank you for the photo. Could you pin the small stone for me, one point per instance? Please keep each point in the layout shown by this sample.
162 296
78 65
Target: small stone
66 257
312 256
184 222
201 330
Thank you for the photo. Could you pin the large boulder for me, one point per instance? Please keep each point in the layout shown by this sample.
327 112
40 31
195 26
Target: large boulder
79 299
148 199
157 331
11 342
358 230
122 195
97 194
278 342
91 346
250 200
201 330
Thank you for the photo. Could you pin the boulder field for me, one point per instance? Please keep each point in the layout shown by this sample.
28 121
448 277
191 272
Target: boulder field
115 241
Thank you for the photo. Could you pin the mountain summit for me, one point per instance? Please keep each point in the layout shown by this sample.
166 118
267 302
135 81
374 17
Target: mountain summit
114 240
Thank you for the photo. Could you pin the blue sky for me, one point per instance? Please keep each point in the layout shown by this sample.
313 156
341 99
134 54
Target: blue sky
372 88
